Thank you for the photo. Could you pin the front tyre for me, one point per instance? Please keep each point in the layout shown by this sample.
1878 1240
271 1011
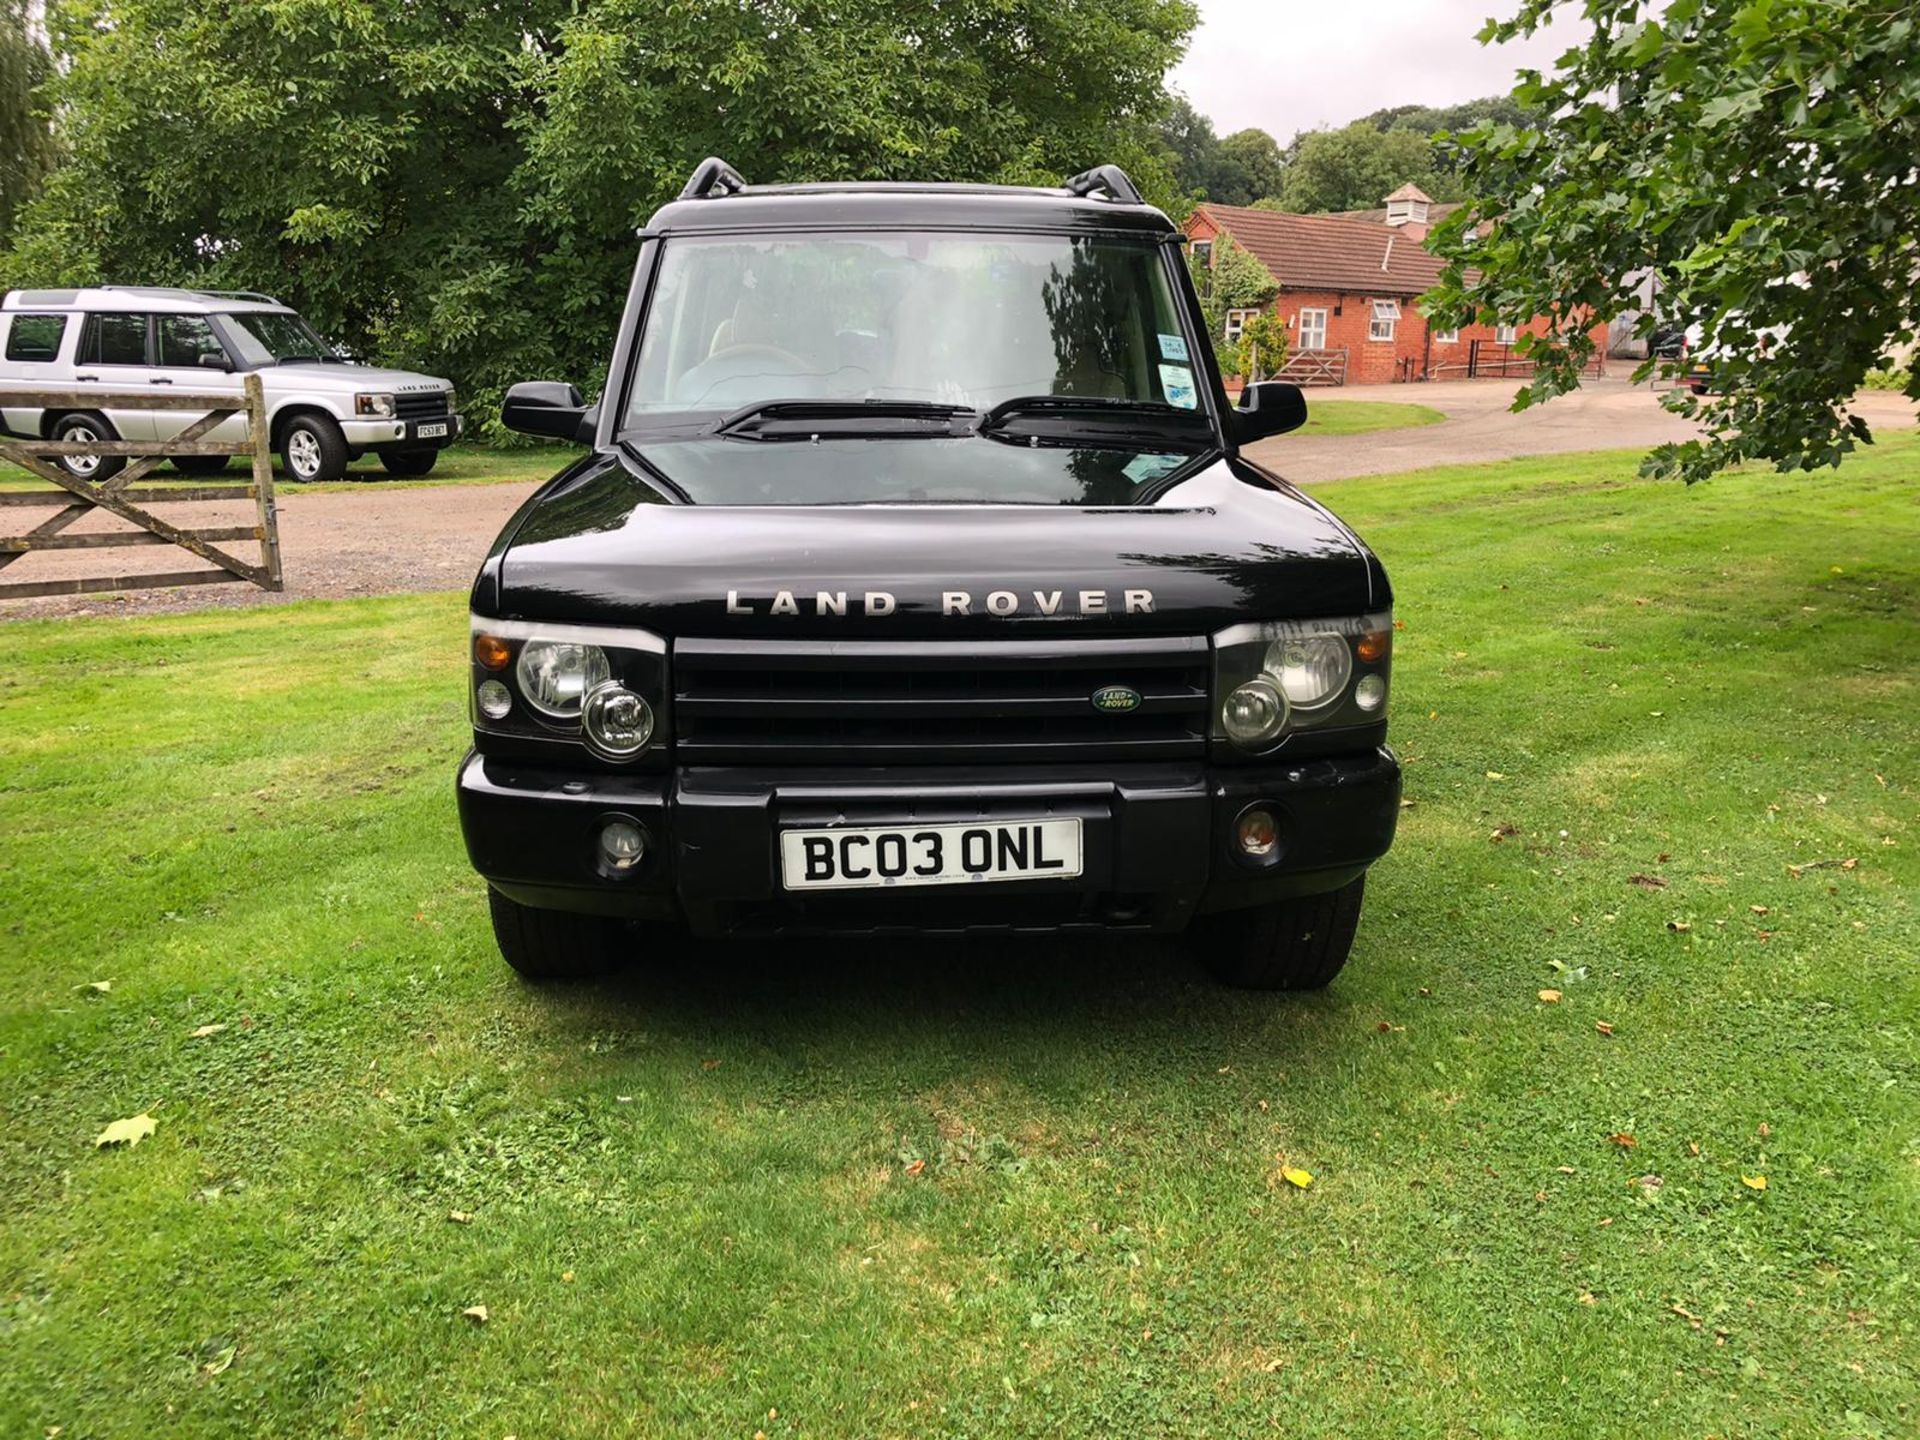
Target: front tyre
554 944
1296 944
408 463
313 450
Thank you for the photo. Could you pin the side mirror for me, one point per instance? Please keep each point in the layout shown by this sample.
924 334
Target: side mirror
1270 407
551 408
209 361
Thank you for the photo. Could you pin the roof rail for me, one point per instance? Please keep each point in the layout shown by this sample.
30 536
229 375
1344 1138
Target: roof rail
1110 178
710 175
243 295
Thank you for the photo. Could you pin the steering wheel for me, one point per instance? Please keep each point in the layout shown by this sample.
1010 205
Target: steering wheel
769 352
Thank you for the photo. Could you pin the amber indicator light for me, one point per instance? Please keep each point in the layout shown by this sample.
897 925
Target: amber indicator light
492 652
1373 646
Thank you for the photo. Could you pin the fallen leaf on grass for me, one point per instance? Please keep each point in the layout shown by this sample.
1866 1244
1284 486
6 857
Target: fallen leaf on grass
1796 871
1758 909
914 1167
1586 1298
1387 1027
1502 832
1565 1169
129 1132
101 987
1603 1027
1549 997
1754 1182
220 1363
205 1030
460 1217
1623 1140
1693 1147
709 1064
476 1313
1495 775
1679 927
1299 1179
1647 882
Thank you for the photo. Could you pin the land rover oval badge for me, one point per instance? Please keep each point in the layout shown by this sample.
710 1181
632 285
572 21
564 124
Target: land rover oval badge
1116 699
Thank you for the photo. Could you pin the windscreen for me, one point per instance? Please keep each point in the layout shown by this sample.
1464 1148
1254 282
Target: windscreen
263 337
958 319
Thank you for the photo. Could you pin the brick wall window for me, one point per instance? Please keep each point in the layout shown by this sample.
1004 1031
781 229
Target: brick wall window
1237 322
1203 252
1386 316
1503 334
1446 337
1313 330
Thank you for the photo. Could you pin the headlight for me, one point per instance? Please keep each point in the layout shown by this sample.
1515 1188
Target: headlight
1310 669
616 722
366 404
598 688
1271 680
555 676
1254 714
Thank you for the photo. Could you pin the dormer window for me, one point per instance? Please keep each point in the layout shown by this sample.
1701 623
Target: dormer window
1406 212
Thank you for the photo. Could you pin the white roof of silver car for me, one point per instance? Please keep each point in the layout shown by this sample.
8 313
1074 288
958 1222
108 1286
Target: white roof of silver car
156 298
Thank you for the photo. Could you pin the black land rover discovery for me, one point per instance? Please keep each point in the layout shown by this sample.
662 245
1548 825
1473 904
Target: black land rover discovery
915 584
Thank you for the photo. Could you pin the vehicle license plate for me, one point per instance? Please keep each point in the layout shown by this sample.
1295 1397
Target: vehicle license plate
850 859
431 432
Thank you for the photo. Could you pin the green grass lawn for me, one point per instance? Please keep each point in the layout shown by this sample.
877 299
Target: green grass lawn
1008 1191
1357 417
458 465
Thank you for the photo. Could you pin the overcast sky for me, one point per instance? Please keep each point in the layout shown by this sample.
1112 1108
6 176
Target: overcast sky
1284 65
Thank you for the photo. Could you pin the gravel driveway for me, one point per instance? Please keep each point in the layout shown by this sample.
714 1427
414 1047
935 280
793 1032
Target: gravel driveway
386 541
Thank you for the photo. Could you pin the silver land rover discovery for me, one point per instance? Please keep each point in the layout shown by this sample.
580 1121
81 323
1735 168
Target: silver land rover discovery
324 409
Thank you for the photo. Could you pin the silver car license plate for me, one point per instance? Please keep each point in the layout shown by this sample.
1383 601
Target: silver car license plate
859 859
431 432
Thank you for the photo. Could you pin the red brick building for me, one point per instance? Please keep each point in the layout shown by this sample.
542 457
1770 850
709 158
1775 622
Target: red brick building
1349 287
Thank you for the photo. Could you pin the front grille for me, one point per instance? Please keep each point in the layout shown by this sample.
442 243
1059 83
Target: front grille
421 405
742 701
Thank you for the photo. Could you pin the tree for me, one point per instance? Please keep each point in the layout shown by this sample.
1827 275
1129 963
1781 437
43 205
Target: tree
1244 167
456 186
1251 168
1758 155
1427 119
1357 166
26 142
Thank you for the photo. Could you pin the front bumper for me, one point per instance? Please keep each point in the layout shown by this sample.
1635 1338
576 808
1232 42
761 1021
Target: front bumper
369 434
1157 838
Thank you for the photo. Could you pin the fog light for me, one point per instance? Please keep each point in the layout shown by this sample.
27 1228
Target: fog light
493 698
1258 834
1370 693
617 722
1254 715
623 844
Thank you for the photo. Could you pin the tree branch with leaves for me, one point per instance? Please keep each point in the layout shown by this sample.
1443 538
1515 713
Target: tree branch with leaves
1757 157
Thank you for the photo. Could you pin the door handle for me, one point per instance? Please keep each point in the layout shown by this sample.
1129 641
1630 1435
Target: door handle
160 382
93 378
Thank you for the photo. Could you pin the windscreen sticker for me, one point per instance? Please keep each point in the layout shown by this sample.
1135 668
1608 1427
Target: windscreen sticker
1176 381
1173 347
1143 468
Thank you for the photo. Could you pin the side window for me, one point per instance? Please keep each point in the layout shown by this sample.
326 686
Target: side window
114 340
36 337
182 339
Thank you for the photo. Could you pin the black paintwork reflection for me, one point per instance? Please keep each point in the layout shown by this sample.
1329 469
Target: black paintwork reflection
922 470
1218 547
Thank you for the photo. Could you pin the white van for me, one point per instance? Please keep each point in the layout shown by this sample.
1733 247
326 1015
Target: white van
324 409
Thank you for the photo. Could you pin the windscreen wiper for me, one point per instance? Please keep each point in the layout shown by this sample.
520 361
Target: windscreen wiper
801 419
1060 415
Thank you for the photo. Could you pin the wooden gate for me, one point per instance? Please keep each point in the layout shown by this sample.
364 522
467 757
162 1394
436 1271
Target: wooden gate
117 496
1315 367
